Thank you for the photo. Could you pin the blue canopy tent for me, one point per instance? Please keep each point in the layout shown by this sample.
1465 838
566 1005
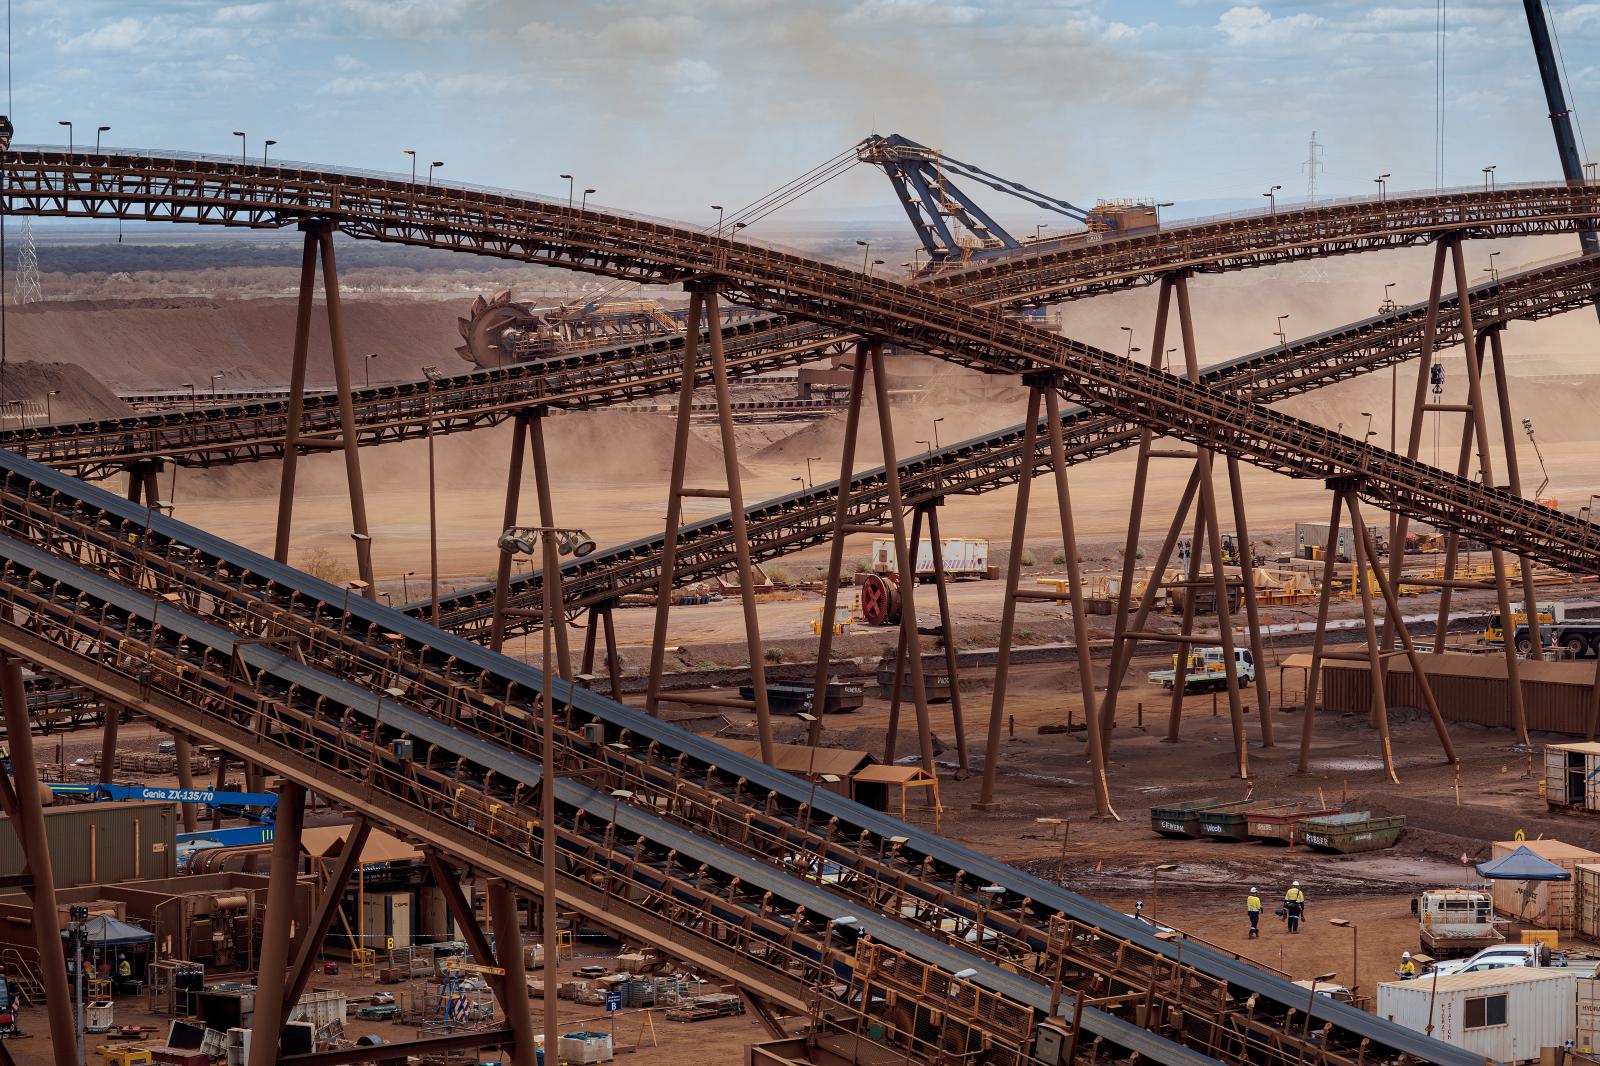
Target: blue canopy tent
104 931
1522 865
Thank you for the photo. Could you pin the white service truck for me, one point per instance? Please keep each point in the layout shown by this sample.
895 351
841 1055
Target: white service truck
1456 921
1206 670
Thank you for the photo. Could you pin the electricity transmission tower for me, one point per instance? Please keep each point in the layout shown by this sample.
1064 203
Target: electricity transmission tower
1312 165
28 288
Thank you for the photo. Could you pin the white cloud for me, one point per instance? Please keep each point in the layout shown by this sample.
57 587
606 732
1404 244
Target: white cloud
242 14
914 12
123 35
694 75
408 18
348 63
1252 25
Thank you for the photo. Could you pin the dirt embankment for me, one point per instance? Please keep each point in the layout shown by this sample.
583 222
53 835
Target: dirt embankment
154 343
74 392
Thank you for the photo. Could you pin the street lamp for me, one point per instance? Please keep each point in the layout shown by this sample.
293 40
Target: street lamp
366 366
242 144
1283 338
1488 177
1315 981
413 154
928 444
583 204
936 422
190 386
48 417
435 165
264 146
1355 952
405 589
97 132
1129 331
718 209
214 378
1272 197
1494 272
1388 300
811 481
64 122
1382 181
876 263
866 250
569 190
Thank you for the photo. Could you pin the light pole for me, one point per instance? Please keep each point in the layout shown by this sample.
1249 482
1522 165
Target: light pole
264 146
243 145
64 122
936 422
412 152
1038 232
811 481
190 386
1494 271
718 209
97 132
435 165
214 378
1488 177
366 366
1388 300
405 589
556 541
1312 1002
875 263
1355 950
1159 206
1129 331
866 250
1272 198
1283 338
928 444
583 204
1382 181
48 417
569 190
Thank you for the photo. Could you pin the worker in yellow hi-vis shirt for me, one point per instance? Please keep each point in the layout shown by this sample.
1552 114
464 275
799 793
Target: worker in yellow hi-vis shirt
1294 906
1252 907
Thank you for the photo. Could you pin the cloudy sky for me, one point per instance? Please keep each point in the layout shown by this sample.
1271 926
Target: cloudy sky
666 105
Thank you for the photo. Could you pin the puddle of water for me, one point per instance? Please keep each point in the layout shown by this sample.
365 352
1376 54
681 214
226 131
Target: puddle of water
1362 763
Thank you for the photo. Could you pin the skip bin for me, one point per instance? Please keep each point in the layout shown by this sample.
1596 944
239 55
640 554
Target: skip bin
1276 823
1179 819
1224 821
1351 832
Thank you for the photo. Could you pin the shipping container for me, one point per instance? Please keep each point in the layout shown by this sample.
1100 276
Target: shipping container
99 843
386 920
1586 900
1545 904
1572 776
1505 1015
1310 538
1559 695
963 557
1588 1042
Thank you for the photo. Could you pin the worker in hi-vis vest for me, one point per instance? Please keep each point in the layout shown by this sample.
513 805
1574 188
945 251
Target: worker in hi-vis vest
1294 906
1252 907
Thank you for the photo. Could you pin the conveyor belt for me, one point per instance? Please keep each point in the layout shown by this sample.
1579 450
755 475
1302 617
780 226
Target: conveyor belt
1046 899
796 520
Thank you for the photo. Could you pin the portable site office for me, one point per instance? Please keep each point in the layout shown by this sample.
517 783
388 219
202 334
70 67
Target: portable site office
1572 776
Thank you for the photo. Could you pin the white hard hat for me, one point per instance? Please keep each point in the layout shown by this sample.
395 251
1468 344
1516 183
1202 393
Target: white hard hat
1405 954
1253 890
1296 884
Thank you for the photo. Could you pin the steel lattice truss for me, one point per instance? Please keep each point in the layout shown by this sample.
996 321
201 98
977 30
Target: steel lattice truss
616 245
801 519
664 836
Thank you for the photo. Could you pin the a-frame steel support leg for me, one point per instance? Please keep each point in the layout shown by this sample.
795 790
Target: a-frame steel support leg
327 909
1008 605
275 929
508 956
905 556
502 573
947 636
1376 671
1508 434
703 306
1330 554
319 241
527 433
891 736
23 807
1247 571
841 530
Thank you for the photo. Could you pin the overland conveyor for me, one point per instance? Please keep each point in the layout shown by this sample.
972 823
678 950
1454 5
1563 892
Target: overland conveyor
316 599
799 519
820 908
